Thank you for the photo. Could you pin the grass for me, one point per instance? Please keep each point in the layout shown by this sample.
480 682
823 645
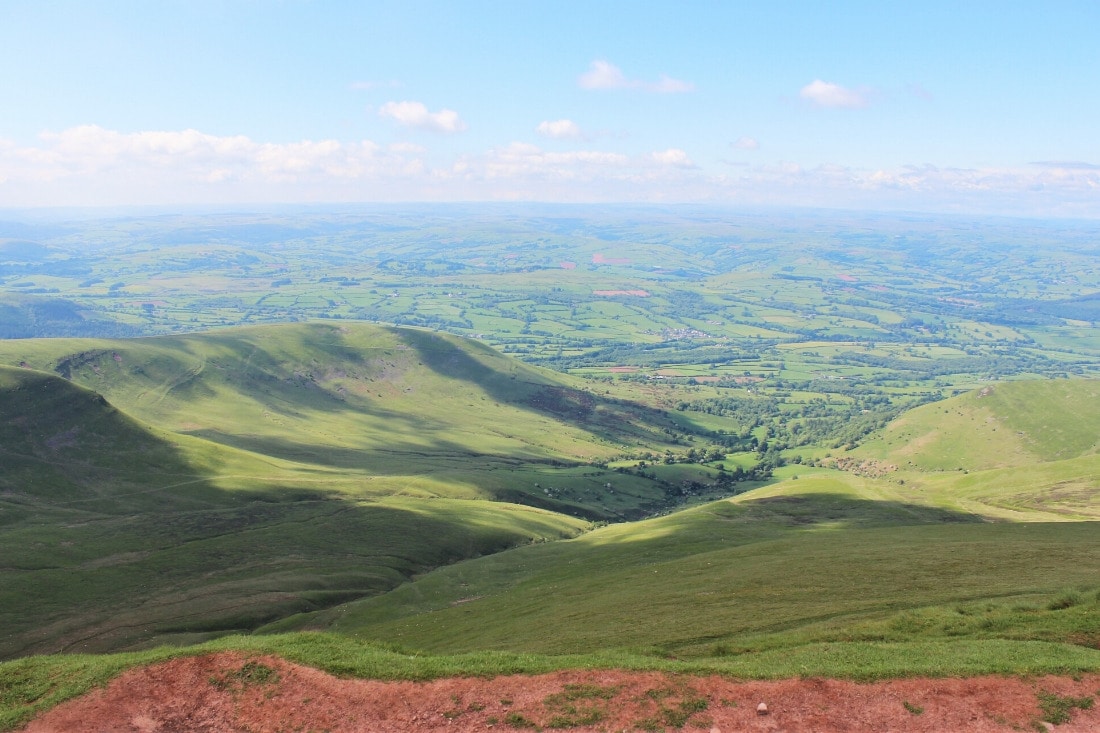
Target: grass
205 573
252 449
356 398
765 570
566 601
1006 425
336 477
912 708
1057 708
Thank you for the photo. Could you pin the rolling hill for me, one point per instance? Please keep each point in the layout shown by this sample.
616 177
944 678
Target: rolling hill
355 480
1003 425
915 555
179 488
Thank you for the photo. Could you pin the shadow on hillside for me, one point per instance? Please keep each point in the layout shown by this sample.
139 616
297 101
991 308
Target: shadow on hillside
394 458
611 419
133 543
171 576
815 510
66 446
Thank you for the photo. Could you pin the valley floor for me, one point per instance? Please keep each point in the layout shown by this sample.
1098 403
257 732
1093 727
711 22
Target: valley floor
231 691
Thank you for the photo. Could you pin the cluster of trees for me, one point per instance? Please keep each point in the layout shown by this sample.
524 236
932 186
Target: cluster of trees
768 425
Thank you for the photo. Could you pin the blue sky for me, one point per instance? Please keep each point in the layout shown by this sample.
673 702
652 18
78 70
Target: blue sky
984 108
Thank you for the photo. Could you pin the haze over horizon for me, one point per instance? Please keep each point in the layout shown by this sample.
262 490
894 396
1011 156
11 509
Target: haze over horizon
978 109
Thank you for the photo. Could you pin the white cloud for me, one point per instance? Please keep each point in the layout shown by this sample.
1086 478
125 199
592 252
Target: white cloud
745 143
559 129
1067 165
409 148
673 157
605 75
90 165
668 85
827 94
523 161
1018 191
415 114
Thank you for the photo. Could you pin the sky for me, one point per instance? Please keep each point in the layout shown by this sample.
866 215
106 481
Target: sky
963 107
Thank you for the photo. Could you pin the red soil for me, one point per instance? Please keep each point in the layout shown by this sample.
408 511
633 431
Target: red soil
235 692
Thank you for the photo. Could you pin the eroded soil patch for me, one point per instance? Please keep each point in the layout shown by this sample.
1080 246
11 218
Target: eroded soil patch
237 692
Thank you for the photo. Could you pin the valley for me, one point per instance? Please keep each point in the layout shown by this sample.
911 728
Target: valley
482 440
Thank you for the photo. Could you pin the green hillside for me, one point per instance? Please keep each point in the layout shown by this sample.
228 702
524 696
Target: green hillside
806 561
112 535
177 488
1017 451
264 501
404 411
829 556
1002 425
64 445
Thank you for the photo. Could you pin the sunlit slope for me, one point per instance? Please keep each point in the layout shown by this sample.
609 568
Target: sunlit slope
296 387
1003 425
1003 527
809 560
115 534
1017 451
416 412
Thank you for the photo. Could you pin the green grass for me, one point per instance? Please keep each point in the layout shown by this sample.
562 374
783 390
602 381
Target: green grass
1005 425
338 477
819 550
1057 708
257 474
354 397
717 597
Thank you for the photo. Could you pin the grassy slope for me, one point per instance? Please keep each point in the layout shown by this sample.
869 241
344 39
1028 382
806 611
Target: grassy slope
813 552
112 535
829 574
1018 451
293 475
830 556
1004 425
417 413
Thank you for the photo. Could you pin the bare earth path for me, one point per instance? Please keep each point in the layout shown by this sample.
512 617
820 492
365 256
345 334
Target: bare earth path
236 692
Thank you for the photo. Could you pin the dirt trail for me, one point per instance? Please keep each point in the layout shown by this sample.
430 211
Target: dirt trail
236 692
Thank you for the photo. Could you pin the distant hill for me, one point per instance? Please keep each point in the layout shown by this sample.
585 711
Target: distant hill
351 386
1002 425
25 315
22 250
